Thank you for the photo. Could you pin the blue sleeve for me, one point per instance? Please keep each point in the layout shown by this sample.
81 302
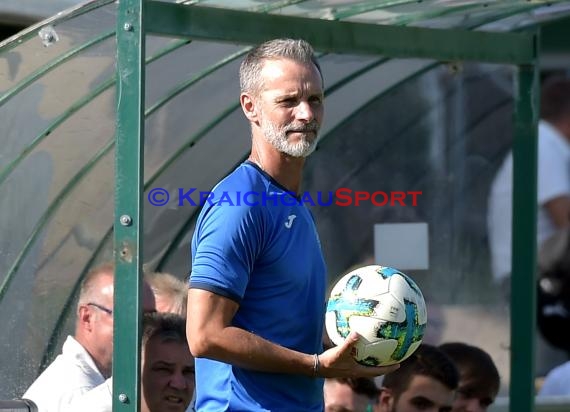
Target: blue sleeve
226 243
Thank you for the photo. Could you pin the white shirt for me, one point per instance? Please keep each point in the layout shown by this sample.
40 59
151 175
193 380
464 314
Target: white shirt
553 181
71 374
99 399
557 381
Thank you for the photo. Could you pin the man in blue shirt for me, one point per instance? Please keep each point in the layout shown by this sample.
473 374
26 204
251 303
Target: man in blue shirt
257 294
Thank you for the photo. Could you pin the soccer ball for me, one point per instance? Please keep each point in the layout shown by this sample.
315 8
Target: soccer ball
385 307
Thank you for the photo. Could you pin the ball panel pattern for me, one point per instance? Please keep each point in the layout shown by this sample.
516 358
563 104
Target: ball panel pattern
385 307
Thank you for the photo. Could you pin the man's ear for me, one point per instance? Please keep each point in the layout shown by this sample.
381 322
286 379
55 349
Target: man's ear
85 317
248 106
385 400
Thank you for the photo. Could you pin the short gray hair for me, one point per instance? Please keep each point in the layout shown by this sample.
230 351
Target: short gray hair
89 284
170 287
298 50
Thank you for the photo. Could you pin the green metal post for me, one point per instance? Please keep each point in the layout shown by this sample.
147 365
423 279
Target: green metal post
523 296
128 205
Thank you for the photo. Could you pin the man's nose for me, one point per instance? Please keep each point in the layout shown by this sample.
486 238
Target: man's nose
473 405
178 381
305 112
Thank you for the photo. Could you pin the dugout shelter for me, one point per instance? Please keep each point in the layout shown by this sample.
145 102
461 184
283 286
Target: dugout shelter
107 101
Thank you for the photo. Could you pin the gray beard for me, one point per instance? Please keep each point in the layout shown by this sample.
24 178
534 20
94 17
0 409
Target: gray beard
278 139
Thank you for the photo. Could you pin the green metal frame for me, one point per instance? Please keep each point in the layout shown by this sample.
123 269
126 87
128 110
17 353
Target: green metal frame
523 297
128 229
345 37
519 49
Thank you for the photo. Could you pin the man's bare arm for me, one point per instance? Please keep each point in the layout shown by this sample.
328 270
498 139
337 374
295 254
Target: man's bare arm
211 335
558 210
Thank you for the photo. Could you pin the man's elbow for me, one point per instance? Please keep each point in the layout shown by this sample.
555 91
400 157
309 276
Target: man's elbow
200 345
558 210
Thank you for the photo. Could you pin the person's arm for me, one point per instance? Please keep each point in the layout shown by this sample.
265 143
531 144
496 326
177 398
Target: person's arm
558 209
553 185
210 335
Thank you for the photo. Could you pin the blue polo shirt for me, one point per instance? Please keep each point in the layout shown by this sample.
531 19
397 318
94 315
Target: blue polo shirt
256 244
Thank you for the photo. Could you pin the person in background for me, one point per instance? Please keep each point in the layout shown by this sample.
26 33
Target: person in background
167 370
426 382
86 358
553 308
349 394
553 198
170 293
553 179
479 379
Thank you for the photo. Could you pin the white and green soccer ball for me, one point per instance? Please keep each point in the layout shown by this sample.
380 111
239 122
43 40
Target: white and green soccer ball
385 307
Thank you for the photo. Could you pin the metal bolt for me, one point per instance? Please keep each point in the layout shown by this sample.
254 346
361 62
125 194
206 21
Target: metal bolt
48 35
128 27
123 398
125 220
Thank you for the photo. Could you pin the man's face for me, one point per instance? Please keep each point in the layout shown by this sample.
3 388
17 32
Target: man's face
339 397
424 394
102 309
290 106
473 396
167 376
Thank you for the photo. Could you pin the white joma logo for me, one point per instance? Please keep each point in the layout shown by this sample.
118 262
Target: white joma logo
289 222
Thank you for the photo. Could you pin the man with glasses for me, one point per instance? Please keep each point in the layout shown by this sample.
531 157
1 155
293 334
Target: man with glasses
86 358
167 370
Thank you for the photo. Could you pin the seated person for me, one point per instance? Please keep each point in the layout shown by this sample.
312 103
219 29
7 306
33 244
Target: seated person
426 381
553 308
556 382
479 380
167 370
86 358
349 394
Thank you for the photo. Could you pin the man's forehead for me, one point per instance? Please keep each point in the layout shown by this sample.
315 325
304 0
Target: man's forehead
105 283
162 355
430 388
167 362
478 388
277 69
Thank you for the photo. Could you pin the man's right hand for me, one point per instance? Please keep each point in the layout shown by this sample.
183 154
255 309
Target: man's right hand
338 362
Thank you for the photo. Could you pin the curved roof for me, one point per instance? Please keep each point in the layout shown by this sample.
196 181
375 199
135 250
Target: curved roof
57 108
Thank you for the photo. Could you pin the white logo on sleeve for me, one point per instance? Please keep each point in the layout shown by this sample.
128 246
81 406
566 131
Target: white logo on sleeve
289 222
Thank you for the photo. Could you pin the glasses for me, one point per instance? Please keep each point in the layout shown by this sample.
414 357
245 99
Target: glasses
103 308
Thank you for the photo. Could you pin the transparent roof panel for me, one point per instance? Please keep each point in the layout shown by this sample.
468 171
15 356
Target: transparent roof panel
530 17
65 36
426 13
